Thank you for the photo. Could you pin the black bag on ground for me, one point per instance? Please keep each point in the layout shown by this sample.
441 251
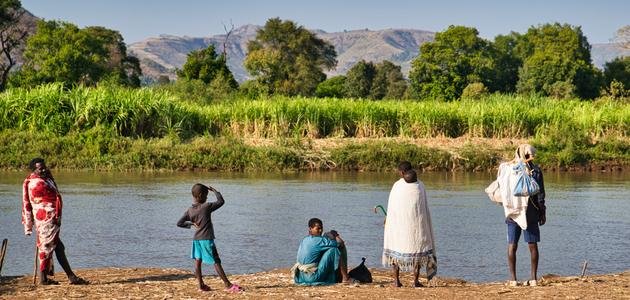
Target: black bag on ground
361 273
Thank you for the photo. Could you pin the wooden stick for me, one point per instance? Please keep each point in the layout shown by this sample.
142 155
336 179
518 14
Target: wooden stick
35 264
584 268
3 251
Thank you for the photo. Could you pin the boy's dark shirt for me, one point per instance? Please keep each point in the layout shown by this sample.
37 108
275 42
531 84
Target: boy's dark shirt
199 214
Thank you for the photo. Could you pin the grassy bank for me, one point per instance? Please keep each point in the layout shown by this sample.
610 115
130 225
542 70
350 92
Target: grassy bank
102 149
110 128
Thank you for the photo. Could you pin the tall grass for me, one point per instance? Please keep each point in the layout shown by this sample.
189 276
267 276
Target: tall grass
152 113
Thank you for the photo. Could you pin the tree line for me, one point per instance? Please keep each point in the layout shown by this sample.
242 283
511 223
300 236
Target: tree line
287 59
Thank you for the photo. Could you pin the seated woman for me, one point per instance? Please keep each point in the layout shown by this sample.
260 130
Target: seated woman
321 260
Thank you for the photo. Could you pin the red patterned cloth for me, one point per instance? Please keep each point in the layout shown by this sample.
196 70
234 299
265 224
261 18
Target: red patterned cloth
41 205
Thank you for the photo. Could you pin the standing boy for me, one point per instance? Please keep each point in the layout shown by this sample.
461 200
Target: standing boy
203 248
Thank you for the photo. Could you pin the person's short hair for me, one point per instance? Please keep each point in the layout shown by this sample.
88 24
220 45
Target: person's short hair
410 176
199 190
404 166
314 221
35 161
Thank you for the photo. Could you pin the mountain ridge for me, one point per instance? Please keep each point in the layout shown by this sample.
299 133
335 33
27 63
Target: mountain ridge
160 56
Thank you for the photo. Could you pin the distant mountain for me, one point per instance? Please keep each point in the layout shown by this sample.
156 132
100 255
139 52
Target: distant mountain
162 55
27 22
603 53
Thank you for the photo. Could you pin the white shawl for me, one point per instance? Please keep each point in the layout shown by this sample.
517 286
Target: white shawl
408 239
514 207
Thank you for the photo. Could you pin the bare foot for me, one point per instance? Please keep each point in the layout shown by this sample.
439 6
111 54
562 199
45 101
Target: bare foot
417 284
48 281
78 280
235 288
204 288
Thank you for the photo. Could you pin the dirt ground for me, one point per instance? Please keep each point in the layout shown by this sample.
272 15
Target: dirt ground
442 143
151 283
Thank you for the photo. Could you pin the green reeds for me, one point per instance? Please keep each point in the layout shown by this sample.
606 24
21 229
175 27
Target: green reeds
150 112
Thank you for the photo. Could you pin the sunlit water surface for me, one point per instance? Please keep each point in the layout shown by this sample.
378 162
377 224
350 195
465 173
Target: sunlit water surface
128 219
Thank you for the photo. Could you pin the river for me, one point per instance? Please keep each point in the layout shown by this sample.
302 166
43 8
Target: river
128 220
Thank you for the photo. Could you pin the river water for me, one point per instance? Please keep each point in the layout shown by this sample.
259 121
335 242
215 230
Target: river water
128 220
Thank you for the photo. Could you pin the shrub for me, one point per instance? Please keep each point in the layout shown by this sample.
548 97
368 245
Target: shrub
252 89
617 90
193 91
331 88
560 90
475 90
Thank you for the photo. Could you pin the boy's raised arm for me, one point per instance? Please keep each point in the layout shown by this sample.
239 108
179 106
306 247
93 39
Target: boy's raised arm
220 201
184 221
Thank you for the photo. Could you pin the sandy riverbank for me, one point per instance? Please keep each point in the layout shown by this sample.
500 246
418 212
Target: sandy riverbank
152 283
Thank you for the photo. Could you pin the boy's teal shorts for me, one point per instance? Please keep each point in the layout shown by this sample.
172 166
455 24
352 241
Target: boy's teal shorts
205 251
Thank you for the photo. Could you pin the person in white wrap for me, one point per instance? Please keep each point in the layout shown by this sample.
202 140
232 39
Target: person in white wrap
408 238
522 214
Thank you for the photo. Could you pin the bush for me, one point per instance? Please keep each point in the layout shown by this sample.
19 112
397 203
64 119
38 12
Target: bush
193 91
560 90
475 90
331 87
617 90
222 87
253 89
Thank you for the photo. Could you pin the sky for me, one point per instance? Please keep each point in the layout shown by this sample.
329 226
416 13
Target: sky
137 20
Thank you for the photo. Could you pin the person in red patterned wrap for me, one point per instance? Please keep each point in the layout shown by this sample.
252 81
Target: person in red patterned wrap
41 206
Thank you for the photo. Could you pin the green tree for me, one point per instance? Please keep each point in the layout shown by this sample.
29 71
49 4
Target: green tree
12 36
619 70
208 67
617 77
508 60
122 68
331 87
61 52
359 80
557 53
475 90
253 89
288 59
388 82
617 90
456 58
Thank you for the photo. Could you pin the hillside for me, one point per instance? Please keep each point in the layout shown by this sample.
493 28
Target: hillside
161 55
29 22
602 53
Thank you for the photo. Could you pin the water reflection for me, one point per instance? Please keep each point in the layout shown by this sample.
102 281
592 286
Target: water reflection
128 219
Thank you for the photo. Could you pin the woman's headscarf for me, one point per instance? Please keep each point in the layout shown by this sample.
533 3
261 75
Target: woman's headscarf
523 150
